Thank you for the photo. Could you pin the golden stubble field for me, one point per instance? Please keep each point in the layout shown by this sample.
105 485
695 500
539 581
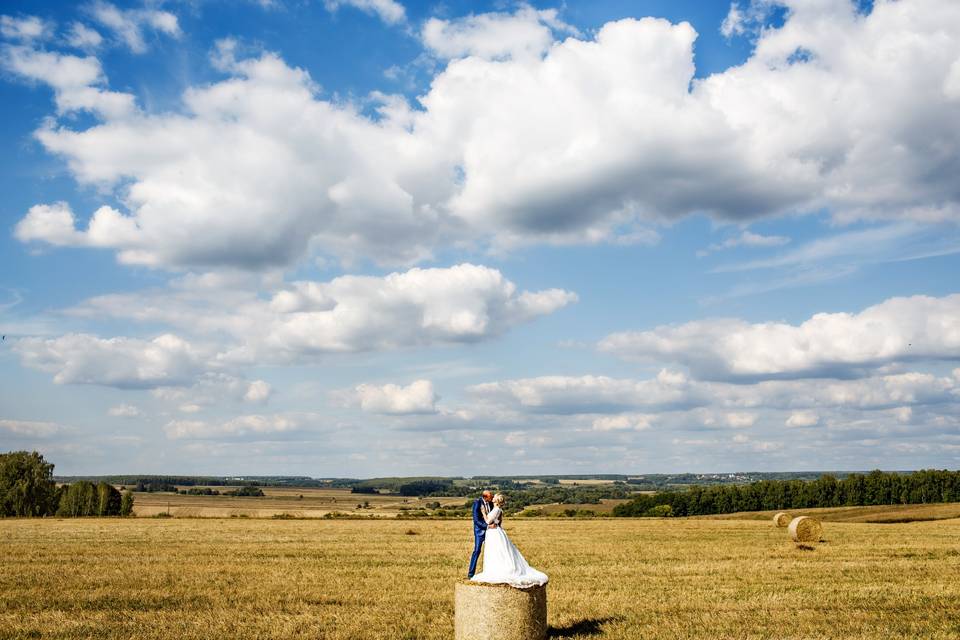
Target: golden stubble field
245 578
306 502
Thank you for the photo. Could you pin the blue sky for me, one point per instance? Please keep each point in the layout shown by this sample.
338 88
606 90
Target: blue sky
368 237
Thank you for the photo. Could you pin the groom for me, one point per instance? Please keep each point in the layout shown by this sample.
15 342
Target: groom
481 507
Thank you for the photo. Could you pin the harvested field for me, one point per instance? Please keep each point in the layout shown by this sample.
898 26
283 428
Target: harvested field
881 514
609 578
281 501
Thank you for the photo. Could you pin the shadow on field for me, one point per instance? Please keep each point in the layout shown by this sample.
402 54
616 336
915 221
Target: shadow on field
585 627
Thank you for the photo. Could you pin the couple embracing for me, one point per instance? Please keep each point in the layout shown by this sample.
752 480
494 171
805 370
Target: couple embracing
502 561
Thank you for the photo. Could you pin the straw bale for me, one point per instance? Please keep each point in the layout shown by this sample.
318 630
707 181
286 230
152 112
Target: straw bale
805 529
499 612
781 520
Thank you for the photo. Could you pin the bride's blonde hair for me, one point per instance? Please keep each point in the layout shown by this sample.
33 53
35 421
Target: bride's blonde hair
499 499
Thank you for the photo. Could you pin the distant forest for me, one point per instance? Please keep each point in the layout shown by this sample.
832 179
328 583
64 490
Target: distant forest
874 488
453 485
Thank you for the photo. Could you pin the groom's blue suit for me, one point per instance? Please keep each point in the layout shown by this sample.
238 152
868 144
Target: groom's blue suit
479 533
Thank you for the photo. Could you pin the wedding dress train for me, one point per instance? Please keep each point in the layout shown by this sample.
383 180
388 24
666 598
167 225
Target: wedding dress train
502 561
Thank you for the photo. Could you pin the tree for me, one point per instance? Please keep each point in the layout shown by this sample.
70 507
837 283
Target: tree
108 500
26 485
126 504
80 499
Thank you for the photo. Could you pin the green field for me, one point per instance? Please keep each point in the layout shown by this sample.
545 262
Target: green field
386 578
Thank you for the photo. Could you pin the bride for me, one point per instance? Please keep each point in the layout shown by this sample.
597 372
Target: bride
502 561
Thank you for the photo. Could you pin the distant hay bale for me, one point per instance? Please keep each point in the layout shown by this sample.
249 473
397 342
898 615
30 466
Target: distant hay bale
499 612
805 529
781 520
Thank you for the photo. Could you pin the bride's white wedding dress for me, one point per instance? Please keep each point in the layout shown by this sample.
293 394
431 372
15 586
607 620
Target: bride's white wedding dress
502 561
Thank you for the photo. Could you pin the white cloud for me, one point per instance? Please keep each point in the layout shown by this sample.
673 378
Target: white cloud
265 426
24 29
590 394
118 362
53 223
128 24
847 128
740 420
746 239
799 419
733 24
871 393
526 32
677 404
259 391
751 19
229 328
827 345
30 429
124 411
862 245
390 11
209 388
304 320
416 398
419 307
77 83
83 37
627 421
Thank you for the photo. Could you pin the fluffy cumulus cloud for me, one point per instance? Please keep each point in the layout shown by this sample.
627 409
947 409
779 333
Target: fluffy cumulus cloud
527 32
229 328
859 122
465 303
418 397
308 319
78 84
121 362
827 345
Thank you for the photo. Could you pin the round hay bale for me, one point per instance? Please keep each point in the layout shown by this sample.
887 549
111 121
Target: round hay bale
499 612
781 520
805 529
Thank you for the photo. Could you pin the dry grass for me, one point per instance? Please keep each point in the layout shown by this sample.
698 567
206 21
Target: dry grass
605 505
891 514
337 580
278 501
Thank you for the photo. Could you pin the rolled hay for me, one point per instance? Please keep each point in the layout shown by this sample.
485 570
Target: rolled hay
805 529
781 520
499 612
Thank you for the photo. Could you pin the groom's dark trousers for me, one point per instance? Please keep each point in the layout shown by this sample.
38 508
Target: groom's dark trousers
479 533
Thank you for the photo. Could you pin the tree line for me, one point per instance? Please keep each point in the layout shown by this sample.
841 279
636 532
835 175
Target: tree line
27 489
874 488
